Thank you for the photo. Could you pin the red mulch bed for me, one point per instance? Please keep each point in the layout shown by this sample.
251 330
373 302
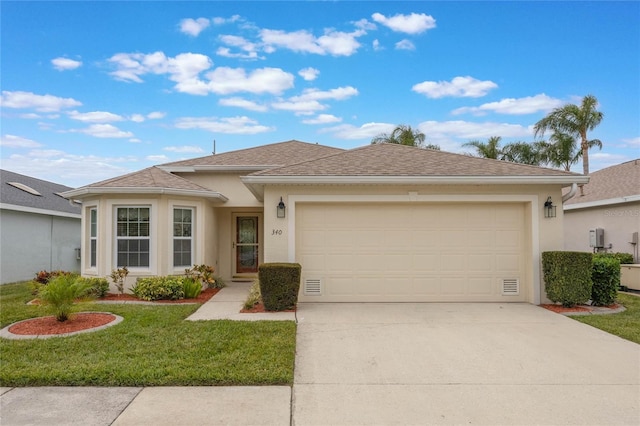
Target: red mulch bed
579 308
259 308
205 295
49 325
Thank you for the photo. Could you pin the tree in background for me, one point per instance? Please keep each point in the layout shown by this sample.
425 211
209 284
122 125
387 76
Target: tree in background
402 135
562 150
576 121
525 153
489 149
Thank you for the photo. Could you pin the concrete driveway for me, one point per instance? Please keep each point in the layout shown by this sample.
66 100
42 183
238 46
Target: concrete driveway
489 364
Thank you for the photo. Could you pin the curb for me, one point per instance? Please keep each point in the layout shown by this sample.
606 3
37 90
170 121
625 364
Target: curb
5 333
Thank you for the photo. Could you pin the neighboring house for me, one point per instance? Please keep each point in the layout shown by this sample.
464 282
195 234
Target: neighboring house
611 202
39 228
378 223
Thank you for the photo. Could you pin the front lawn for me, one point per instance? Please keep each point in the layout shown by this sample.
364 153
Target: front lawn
153 346
624 324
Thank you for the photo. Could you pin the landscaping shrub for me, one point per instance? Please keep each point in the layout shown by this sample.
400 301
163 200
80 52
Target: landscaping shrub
159 288
60 293
42 278
623 258
98 287
119 278
254 295
567 275
191 288
606 280
279 285
205 274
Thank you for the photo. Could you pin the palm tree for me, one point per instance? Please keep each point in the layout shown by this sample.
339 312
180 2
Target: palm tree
402 135
525 153
490 149
562 150
576 121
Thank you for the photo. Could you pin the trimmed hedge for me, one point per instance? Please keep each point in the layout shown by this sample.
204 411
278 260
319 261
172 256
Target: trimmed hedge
567 275
159 288
623 258
605 275
279 285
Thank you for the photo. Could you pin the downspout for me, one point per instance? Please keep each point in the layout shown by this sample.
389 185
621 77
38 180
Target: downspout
571 193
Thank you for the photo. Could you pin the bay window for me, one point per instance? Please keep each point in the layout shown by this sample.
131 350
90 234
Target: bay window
133 237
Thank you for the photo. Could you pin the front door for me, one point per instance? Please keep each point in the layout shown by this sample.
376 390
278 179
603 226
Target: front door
246 244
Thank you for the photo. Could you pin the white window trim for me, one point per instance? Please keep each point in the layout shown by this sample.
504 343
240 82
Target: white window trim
174 238
86 239
112 248
93 237
198 228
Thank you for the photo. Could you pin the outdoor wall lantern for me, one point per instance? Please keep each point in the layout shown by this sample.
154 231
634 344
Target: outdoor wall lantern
549 208
280 210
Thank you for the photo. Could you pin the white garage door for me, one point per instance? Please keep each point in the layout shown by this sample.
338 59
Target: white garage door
412 252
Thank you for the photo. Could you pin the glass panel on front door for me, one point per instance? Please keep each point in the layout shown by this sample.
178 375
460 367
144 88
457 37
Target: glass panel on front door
246 244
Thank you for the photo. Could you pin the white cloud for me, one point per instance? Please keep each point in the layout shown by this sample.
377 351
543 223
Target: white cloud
64 64
513 106
366 131
335 43
339 94
157 158
601 160
309 74
405 45
299 106
365 25
414 23
250 49
242 103
193 27
68 169
184 149
137 118
12 141
467 87
323 119
376 45
465 130
95 116
156 115
135 140
224 80
104 131
632 142
230 125
42 103
220 21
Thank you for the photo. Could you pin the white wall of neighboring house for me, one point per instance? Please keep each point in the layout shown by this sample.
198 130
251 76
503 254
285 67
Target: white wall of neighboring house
31 242
619 222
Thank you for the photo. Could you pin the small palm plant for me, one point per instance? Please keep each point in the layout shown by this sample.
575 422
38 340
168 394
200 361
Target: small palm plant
61 292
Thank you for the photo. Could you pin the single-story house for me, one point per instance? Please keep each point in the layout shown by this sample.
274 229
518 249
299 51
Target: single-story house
611 202
382 222
39 228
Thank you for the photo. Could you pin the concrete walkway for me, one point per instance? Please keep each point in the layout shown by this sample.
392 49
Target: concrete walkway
386 364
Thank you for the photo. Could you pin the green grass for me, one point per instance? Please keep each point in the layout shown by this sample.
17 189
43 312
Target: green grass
153 346
624 324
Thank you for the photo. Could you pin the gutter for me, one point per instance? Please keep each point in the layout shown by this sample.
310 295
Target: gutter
571 193
83 192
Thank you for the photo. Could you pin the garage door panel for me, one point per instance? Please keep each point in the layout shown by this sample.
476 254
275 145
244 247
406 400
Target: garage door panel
412 252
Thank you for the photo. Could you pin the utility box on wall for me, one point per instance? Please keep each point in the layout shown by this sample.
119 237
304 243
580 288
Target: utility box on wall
596 238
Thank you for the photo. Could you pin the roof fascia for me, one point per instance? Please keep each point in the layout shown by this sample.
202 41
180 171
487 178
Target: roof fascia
34 210
600 203
83 192
256 184
223 168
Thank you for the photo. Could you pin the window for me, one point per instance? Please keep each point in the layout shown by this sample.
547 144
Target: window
182 236
93 237
133 238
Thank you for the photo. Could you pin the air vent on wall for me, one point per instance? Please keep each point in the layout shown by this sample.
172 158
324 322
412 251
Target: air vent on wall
313 287
510 286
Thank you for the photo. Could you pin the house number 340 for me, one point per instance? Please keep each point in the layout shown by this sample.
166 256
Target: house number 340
276 232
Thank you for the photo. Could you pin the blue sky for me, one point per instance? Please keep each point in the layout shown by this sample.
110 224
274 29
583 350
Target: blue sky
92 90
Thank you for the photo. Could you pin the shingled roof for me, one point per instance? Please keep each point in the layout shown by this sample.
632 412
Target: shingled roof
615 183
150 180
272 155
399 160
48 198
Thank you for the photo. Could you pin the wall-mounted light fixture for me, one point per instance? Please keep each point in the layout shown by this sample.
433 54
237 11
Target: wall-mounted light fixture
549 208
281 209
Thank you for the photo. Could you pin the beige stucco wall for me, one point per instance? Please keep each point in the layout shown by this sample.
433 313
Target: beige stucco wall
228 184
618 221
545 233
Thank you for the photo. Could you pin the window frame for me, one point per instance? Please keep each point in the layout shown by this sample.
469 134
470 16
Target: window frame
93 237
118 238
175 238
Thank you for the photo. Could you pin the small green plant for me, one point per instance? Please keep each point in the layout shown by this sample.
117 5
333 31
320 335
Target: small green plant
606 280
159 288
99 287
42 278
218 282
279 285
623 258
119 278
60 293
191 288
567 276
205 274
254 295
